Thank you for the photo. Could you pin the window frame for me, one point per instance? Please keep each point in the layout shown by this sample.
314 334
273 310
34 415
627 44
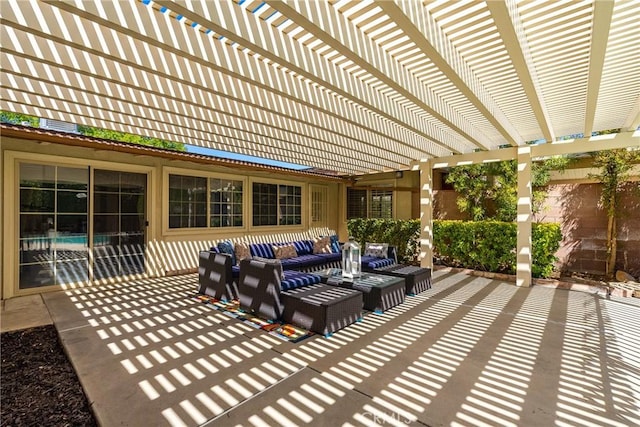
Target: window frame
304 210
319 200
369 202
168 171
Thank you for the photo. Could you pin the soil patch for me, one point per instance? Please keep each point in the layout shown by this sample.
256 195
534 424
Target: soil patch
39 385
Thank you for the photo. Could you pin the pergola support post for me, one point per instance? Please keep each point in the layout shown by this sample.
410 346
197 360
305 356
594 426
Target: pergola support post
524 218
426 214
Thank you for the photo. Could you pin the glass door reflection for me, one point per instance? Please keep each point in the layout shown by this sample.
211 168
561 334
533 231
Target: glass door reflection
119 223
53 246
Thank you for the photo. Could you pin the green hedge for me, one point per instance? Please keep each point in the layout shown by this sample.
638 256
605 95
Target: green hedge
404 235
480 245
491 245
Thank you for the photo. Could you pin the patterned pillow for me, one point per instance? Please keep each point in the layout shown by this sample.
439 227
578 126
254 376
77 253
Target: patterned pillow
272 261
242 252
378 250
321 245
226 247
285 251
335 244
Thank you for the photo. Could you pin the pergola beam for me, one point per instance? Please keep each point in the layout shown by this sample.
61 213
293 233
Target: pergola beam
525 156
602 14
510 27
565 147
232 22
422 29
317 16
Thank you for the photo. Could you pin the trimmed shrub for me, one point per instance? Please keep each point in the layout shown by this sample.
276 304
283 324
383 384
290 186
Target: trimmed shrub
480 245
491 245
546 238
404 235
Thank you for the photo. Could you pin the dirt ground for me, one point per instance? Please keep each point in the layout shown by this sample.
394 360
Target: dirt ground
38 385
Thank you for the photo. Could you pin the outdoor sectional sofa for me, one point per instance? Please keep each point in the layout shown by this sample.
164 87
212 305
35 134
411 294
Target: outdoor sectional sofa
219 276
219 267
272 293
263 283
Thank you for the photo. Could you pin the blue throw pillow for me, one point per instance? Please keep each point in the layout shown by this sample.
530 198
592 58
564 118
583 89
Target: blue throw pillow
335 245
226 247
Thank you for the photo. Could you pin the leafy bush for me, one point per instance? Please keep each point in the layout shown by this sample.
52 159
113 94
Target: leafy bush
404 235
491 245
480 245
546 238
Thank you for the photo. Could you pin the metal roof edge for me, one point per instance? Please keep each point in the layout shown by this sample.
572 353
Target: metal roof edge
76 140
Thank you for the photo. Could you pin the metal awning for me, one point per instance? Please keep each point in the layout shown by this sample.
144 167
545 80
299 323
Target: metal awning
349 86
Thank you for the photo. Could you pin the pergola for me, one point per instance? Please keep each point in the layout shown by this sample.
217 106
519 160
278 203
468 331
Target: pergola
353 87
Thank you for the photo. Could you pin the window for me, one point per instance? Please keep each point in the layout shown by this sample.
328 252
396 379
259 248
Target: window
381 204
319 205
187 201
119 223
193 199
369 203
225 202
276 204
356 203
290 199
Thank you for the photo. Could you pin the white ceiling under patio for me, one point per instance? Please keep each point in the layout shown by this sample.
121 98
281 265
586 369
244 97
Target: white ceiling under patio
346 86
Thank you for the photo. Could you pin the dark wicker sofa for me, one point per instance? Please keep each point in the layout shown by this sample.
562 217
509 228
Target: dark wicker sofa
296 297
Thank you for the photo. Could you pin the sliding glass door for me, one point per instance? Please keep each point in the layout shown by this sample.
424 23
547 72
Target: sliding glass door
53 236
67 213
119 223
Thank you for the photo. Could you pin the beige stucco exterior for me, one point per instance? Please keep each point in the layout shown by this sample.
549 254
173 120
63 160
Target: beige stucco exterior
169 251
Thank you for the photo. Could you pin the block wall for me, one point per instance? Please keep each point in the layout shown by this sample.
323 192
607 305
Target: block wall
584 226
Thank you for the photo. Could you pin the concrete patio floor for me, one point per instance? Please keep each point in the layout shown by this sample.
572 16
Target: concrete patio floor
470 351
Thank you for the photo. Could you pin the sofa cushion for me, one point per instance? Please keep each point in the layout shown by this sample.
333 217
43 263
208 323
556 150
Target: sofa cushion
370 262
303 247
296 279
321 245
241 251
226 247
285 251
302 262
335 244
379 250
264 250
332 257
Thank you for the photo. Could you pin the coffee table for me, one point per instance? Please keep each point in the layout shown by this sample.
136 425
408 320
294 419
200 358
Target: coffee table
417 279
321 308
379 292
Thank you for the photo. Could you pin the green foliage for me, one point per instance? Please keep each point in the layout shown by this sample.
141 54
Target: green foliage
404 235
489 190
474 189
540 177
545 238
127 137
18 119
491 245
615 167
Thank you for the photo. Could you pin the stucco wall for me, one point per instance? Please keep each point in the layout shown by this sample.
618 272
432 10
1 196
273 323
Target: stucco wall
169 251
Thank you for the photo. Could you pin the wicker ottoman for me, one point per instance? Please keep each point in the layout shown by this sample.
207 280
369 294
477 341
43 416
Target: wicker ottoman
321 308
416 279
379 293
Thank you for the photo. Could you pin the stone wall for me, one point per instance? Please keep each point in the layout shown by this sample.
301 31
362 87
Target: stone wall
584 226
